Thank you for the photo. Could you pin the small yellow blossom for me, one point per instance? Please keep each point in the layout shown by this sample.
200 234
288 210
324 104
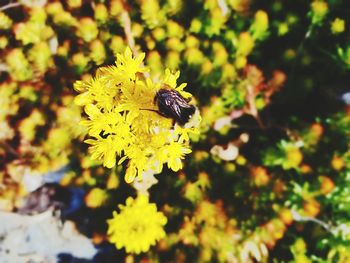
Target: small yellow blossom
194 56
137 30
57 141
27 126
3 42
294 158
96 198
175 44
19 67
338 26
154 61
6 132
63 18
80 62
35 29
98 52
123 122
260 25
87 29
245 44
40 55
337 163
174 29
319 10
241 62
159 34
5 21
173 60
152 14
117 44
74 3
8 100
101 13
196 25
228 73
138 225
283 28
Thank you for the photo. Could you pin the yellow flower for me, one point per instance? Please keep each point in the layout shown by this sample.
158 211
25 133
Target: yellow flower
3 42
8 100
80 62
152 14
245 44
101 13
174 29
74 3
338 26
260 25
122 118
138 225
98 52
337 163
33 32
5 21
283 29
96 198
196 25
294 158
128 65
63 18
27 126
241 62
19 67
103 148
6 132
175 152
40 55
194 56
173 60
319 10
87 29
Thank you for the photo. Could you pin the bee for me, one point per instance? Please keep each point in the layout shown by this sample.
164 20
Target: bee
172 105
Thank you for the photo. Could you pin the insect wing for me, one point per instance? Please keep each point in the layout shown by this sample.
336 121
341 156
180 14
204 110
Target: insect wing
169 105
173 105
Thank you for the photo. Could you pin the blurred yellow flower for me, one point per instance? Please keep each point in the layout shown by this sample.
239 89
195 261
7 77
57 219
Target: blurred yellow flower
40 55
260 25
101 13
319 10
96 198
19 67
294 158
3 42
152 14
35 29
27 126
98 52
337 26
87 29
74 3
245 44
138 225
337 163
5 21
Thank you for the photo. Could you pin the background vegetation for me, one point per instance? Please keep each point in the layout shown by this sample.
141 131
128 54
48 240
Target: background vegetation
268 178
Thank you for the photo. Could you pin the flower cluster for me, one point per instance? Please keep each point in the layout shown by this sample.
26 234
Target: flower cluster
137 226
123 119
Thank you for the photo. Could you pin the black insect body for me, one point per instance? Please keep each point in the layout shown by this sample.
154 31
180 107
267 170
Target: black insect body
172 105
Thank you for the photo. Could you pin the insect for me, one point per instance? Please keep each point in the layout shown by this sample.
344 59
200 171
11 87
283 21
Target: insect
172 105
